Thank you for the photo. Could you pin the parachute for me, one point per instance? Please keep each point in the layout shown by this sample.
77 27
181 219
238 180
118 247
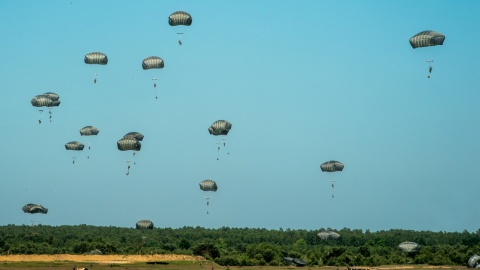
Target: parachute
474 261
153 62
48 100
74 146
130 142
208 185
326 235
89 131
426 39
95 58
409 247
220 127
294 261
332 166
34 209
144 225
180 20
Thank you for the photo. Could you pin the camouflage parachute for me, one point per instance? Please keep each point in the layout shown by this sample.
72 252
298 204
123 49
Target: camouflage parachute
47 99
220 127
34 208
89 131
129 144
134 135
179 18
98 58
144 225
326 235
332 166
208 185
474 261
426 39
75 146
152 62
409 247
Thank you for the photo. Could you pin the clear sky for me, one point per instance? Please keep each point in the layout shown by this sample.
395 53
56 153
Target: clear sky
302 82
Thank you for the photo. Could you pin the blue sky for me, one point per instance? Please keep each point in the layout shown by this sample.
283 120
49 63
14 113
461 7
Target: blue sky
302 82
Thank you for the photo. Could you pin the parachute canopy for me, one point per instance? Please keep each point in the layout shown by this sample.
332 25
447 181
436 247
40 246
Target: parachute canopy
474 261
134 135
325 235
34 208
74 145
152 62
129 144
409 247
220 127
294 261
47 99
89 131
144 224
208 185
96 58
426 39
180 18
332 166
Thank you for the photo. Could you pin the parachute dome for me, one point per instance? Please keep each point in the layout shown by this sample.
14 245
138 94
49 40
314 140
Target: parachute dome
96 58
134 135
180 18
474 261
129 144
409 247
325 235
144 224
426 39
208 185
152 62
220 127
48 99
34 208
332 166
76 146
89 131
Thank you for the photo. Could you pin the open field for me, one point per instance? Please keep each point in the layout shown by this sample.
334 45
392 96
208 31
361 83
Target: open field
161 262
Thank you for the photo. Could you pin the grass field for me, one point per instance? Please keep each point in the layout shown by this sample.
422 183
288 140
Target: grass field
161 262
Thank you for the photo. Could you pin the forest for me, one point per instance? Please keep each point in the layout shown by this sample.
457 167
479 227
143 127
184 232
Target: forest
246 246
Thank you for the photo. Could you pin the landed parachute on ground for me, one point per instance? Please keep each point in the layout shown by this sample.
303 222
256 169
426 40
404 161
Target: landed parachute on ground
208 185
144 225
409 247
474 261
153 62
74 146
95 58
326 235
294 261
34 209
426 39
48 100
180 20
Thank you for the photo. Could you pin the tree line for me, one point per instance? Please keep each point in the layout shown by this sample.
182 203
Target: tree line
246 246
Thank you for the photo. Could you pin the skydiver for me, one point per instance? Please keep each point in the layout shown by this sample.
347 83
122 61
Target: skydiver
180 43
154 85
95 80
39 121
430 69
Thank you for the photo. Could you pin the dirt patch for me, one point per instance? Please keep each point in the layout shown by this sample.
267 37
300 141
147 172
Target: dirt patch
99 258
